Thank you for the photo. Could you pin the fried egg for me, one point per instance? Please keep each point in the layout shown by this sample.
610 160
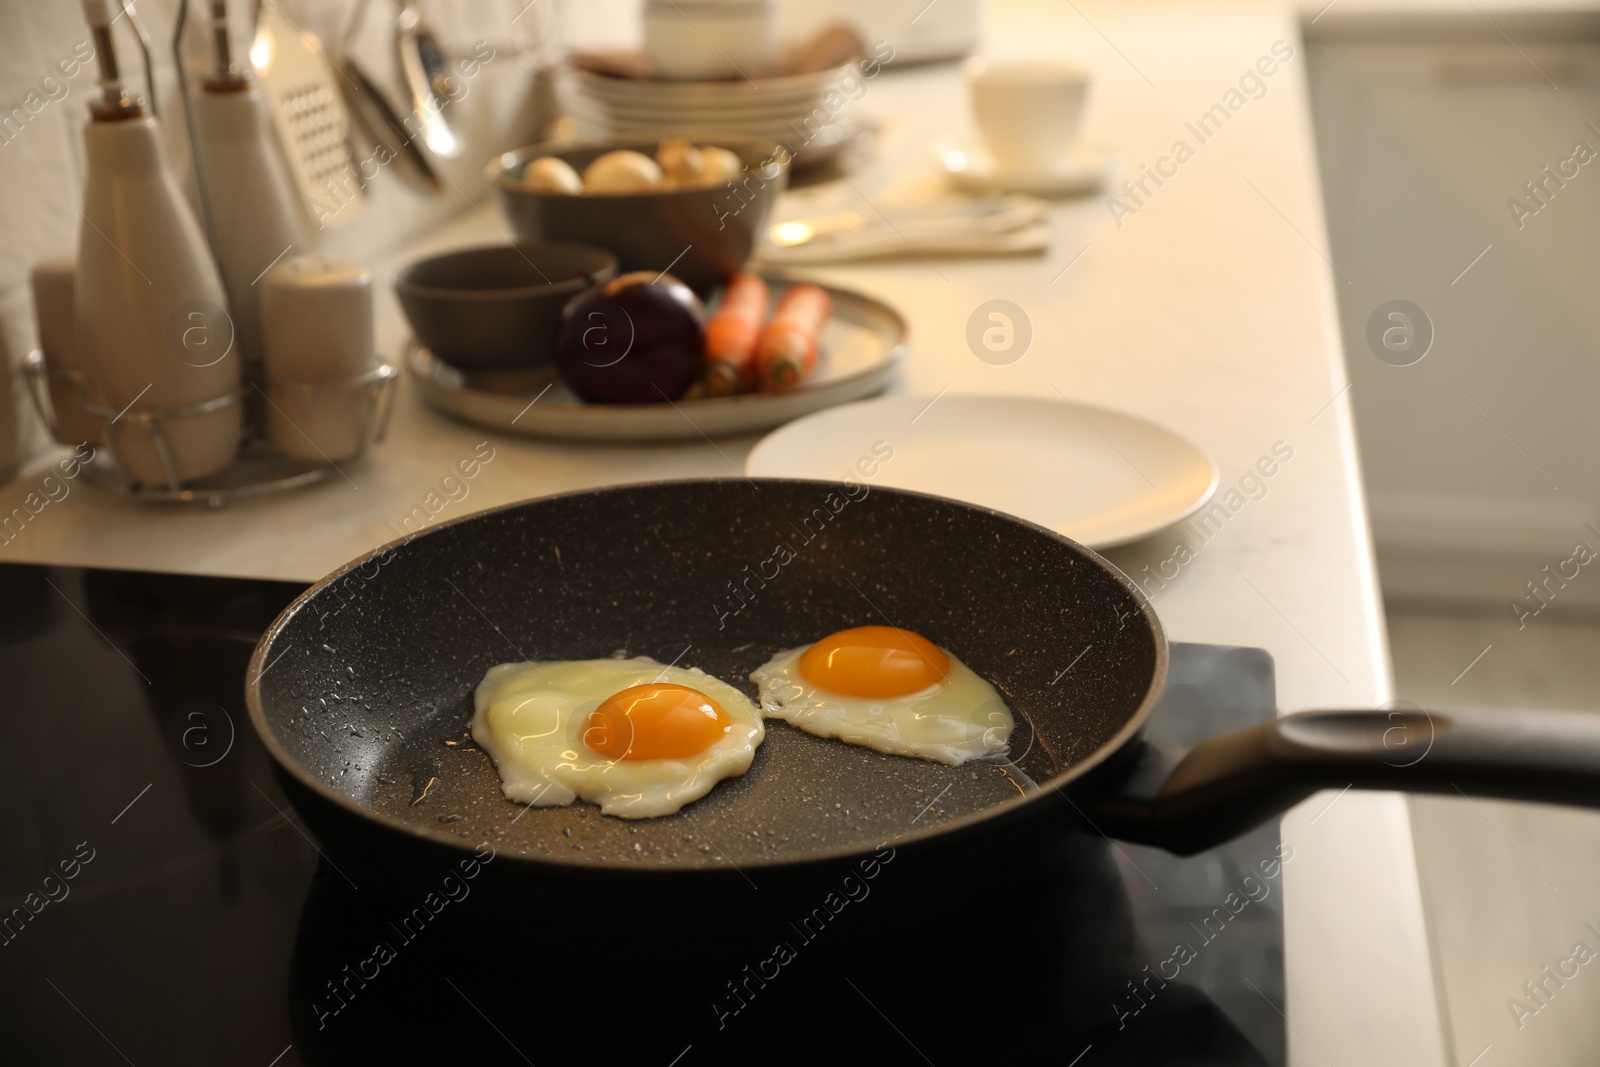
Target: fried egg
637 738
890 690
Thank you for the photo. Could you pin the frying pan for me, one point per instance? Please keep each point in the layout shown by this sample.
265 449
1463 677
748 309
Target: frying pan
361 691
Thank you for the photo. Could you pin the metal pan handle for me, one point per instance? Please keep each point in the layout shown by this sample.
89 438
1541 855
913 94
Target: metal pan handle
1224 786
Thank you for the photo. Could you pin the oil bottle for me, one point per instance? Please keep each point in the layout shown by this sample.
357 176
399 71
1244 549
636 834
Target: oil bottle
152 321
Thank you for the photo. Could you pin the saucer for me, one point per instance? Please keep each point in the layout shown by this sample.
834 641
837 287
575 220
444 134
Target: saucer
971 168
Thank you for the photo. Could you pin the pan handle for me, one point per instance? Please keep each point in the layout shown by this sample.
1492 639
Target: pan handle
1224 786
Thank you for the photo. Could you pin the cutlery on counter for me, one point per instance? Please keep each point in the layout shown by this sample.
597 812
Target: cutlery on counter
992 225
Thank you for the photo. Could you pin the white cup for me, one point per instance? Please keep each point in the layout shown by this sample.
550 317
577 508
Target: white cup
1028 111
703 40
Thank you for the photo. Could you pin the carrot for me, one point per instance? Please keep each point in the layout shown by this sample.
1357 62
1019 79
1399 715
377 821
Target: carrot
732 335
788 351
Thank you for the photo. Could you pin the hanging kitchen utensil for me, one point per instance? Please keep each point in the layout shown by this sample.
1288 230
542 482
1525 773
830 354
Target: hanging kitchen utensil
429 81
394 139
303 91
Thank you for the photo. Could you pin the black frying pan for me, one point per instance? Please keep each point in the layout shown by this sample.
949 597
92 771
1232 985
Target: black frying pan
361 691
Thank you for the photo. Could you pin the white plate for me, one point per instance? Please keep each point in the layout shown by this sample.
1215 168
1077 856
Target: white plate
624 119
672 108
766 129
759 92
861 347
972 169
790 106
1100 477
790 122
811 145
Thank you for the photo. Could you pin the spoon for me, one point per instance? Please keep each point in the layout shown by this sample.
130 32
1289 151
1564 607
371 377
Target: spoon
378 120
428 78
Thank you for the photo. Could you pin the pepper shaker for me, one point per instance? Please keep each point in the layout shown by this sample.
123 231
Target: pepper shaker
316 330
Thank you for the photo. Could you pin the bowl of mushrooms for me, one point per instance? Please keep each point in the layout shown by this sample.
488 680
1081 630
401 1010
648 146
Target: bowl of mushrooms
695 203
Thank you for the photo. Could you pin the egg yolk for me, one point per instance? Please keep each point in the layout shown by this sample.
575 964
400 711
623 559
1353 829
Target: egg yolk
655 721
874 661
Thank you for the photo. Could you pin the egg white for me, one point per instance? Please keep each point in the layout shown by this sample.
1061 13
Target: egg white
951 721
530 717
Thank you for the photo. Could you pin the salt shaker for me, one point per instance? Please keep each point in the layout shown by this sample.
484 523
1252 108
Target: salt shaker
68 378
316 332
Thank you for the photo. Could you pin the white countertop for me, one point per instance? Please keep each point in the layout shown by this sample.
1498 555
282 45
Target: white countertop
1211 309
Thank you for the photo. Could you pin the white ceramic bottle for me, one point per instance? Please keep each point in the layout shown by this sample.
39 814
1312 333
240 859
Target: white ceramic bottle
151 315
255 218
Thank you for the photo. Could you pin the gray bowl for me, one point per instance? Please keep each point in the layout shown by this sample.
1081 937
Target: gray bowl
704 235
497 307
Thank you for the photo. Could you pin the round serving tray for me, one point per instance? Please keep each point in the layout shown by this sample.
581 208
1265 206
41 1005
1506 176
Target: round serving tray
861 347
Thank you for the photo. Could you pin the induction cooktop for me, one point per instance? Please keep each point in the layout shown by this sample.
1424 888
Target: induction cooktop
161 903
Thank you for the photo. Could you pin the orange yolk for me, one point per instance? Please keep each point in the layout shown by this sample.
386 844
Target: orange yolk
655 721
874 661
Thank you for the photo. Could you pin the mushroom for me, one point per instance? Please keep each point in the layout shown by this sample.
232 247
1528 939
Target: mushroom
621 172
548 174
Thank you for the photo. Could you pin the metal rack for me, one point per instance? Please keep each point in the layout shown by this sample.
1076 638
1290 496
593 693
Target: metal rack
258 470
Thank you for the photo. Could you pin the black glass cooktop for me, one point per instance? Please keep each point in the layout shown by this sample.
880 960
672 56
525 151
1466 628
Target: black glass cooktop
161 904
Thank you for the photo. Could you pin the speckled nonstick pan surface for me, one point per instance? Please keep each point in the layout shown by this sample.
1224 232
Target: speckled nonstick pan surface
362 690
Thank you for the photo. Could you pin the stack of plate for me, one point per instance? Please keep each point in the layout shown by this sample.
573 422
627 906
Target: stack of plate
804 112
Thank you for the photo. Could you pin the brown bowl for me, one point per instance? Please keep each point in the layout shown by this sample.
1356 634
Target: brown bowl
703 235
498 307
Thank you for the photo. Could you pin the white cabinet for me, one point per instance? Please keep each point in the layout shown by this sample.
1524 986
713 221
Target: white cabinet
1488 449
